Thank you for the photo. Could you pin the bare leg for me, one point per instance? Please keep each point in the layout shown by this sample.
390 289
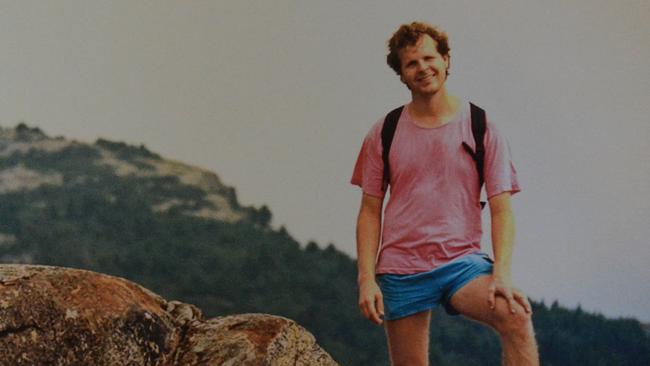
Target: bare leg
408 339
516 330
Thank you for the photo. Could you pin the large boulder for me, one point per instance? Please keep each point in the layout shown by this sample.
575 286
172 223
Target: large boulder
250 339
62 316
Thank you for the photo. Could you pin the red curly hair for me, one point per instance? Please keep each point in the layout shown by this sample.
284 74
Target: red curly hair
408 35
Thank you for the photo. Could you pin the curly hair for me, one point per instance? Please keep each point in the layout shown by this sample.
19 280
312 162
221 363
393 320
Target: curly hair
408 35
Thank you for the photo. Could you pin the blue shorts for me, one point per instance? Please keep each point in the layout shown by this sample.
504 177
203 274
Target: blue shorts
405 295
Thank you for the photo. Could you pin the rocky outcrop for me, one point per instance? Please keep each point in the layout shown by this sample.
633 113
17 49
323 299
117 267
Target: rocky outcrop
61 316
250 339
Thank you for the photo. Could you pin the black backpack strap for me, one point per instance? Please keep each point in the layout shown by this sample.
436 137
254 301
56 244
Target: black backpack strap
478 130
387 134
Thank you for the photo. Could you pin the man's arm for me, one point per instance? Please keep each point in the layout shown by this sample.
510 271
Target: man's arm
503 233
368 232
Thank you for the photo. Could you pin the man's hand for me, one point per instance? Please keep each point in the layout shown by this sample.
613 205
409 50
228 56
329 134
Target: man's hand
502 287
371 301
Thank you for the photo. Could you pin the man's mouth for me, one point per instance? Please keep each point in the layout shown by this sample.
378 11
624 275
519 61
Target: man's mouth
426 78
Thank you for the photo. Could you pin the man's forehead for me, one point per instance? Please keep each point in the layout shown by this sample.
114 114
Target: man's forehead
425 42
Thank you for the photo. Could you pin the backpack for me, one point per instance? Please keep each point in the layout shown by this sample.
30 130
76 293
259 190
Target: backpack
478 130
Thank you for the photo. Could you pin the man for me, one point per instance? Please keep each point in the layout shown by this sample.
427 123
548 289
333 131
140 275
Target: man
430 240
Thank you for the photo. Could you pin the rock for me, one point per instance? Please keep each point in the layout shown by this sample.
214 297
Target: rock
251 339
62 316
57 316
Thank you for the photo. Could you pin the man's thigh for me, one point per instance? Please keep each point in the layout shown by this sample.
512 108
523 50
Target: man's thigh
408 339
472 301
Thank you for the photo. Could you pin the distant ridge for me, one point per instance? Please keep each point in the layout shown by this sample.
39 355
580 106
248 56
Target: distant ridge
22 146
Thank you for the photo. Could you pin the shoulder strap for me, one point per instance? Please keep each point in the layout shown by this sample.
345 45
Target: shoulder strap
387 134
478 131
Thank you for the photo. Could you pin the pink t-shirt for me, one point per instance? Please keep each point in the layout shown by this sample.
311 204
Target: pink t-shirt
433 213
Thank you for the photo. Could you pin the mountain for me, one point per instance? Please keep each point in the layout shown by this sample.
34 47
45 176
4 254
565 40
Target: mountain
32 159
178 230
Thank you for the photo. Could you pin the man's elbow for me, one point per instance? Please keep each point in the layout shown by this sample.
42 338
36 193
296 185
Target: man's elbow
370 206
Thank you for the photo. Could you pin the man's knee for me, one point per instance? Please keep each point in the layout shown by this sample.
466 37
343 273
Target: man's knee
409 360
519 324
409 353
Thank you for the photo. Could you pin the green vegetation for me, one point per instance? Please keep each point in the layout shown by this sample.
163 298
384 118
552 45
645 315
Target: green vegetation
127 152
105 223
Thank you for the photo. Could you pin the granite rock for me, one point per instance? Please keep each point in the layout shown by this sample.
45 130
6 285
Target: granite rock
63 316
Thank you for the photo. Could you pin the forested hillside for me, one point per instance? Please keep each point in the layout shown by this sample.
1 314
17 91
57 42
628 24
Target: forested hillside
176 229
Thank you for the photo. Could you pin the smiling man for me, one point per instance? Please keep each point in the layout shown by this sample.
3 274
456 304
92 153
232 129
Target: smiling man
435 153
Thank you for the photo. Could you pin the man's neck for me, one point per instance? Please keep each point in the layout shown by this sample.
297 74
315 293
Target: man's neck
434 110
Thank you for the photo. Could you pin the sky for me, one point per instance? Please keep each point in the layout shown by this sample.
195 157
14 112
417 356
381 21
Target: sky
277 96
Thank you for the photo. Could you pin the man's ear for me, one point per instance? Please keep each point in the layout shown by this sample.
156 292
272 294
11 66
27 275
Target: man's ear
447 58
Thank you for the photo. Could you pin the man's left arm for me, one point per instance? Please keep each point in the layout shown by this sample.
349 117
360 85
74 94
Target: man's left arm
503 233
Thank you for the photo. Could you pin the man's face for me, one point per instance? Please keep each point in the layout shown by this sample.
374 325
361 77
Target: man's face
423 69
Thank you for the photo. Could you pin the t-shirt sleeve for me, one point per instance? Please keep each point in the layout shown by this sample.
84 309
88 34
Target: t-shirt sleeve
500 173
368 170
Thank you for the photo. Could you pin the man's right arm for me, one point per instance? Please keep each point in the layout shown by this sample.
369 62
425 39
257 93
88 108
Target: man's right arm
368 233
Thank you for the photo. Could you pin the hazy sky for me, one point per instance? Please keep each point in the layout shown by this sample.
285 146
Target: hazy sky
276 97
